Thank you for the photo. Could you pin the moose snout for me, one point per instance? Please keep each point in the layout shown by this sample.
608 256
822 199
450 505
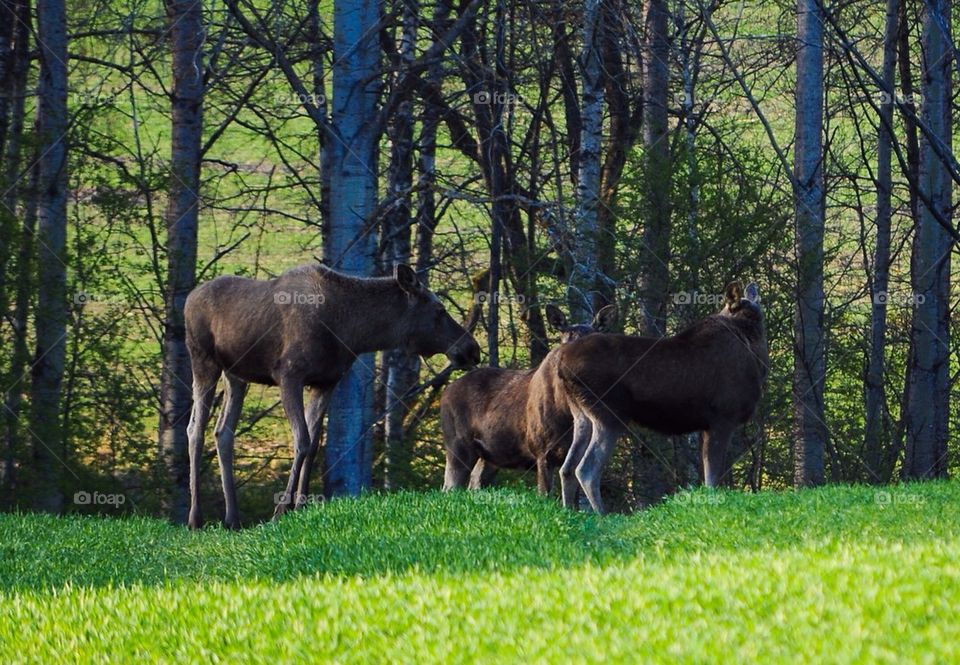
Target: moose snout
465 353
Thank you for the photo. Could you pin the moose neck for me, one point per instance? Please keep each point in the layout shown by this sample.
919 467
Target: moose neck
375 316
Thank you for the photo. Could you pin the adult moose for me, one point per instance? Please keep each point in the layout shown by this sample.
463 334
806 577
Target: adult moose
708 378
303 329
511 419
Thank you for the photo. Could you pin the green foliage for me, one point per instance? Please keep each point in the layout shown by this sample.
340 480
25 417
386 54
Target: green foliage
839 574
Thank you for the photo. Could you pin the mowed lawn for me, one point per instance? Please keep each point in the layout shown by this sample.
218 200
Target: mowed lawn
840 574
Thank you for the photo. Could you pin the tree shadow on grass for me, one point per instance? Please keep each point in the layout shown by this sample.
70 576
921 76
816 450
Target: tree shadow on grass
459 533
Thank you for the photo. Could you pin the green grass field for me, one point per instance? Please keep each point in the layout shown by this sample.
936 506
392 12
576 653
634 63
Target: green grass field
840 574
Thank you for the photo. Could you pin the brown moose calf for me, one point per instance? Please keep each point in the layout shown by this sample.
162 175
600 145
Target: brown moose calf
511 419
708 378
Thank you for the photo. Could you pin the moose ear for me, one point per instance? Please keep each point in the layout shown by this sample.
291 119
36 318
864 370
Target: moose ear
733 293
605 319
406 278
753 293
556 318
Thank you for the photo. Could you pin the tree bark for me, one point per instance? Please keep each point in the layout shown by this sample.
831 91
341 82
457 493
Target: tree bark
568 83
928 416
656 456
320 94
876 430
51 310
584 278
8 20
655 259
809 361
185 19
402 368
13 400
351 246
625 124
427 162
15 86
907 90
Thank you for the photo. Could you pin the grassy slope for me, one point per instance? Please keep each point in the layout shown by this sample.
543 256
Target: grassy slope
837 574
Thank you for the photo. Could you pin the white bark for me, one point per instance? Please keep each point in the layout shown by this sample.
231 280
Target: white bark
186 37
585 261
351 245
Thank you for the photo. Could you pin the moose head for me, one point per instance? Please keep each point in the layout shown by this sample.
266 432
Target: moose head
604 321
430 329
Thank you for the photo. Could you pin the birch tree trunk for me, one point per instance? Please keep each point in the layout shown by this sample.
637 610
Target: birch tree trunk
351 246
185 18
912 174
624 113
48 446
809 362
655 274
687 454
402 367
928 403
656 455
876 431
586 261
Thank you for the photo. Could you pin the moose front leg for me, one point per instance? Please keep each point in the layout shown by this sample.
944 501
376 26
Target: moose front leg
713 451
291 395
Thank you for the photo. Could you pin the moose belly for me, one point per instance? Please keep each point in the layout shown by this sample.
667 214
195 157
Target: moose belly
670 418
505 450
658 412
245 365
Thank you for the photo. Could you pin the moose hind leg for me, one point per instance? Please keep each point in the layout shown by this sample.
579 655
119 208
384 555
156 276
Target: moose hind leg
590 470
483 475
569 485
225 434
291 395
460 462
205 378
315 411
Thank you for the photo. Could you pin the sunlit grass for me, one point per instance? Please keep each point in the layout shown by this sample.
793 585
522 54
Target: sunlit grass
836 575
